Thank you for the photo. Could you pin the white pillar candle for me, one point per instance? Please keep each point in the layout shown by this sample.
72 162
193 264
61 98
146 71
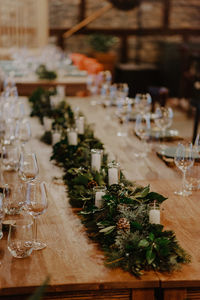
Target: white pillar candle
96 159
154 213
56 137
72 137
154 216
47 123
99 192
80 125
98 199
113 177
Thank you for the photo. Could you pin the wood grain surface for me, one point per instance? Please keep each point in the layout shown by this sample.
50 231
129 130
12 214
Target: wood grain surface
73 262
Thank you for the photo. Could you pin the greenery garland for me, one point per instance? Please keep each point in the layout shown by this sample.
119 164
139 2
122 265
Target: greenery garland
122 225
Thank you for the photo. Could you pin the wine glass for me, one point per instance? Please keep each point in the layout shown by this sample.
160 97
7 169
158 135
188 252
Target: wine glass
36 205
1 213
184 159
143 103
142 130
28 166
163 119
123 114
23 131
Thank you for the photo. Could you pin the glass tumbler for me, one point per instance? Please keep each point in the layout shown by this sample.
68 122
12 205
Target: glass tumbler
20 237
14 198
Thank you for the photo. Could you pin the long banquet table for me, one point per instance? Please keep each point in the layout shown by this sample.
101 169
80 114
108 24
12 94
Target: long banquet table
74 263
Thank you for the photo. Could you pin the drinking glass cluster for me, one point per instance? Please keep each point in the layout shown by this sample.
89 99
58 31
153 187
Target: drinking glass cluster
22 194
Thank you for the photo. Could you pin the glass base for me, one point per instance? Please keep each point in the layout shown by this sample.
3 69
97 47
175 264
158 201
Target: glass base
122 134
38 245
183 193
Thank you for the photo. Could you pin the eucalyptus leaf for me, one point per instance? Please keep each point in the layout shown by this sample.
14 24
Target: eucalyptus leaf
143 243
150 256
108 229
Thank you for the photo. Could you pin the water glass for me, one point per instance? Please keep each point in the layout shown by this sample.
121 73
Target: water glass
143 103
20 237
14 198
142 130
184 159
164 117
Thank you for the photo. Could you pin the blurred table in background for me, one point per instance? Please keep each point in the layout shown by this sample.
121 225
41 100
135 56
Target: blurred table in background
74 85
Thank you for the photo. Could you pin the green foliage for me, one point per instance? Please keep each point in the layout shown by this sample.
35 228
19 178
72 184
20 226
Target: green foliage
101 42
47 138
137 247
43 73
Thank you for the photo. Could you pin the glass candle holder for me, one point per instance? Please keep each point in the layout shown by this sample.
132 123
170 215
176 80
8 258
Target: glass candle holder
113 173
99 192
80 124
96 156
47 123
72 136
154 213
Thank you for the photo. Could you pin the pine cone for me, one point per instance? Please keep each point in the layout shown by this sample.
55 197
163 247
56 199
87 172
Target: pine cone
92 184
123 224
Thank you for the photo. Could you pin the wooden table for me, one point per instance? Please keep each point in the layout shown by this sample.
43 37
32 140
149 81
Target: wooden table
73 84
73 262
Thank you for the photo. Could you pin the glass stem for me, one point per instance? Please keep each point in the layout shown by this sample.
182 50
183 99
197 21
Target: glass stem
35 229
183 181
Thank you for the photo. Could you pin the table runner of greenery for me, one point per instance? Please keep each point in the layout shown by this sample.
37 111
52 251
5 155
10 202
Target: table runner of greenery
122 225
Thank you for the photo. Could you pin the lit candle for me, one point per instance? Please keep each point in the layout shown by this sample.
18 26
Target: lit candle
47 123
99 191
113 173
56 137
80 125
72 136
154 213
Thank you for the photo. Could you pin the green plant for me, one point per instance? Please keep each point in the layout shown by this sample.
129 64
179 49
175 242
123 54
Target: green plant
101 42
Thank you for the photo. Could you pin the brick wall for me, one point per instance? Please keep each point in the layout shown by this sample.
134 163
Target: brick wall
184 14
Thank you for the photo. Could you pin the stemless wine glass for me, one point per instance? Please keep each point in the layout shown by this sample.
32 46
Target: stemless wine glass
184 159
20 237
36 205
163 119
28 167
142 129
